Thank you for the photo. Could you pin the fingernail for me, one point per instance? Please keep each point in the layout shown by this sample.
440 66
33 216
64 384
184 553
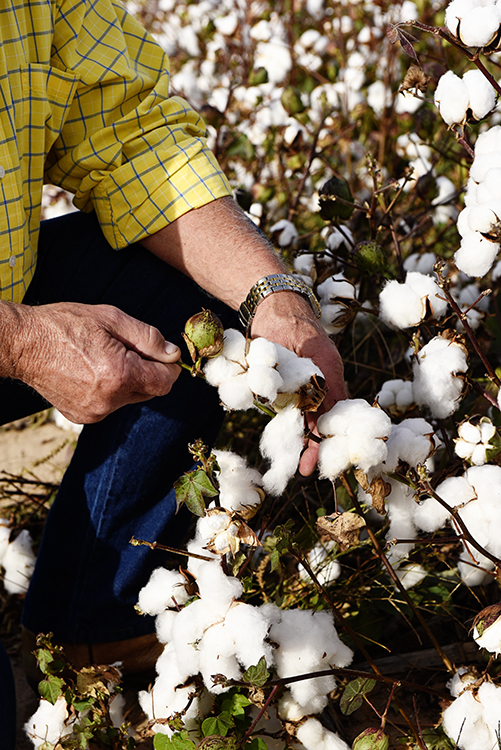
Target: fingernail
170 348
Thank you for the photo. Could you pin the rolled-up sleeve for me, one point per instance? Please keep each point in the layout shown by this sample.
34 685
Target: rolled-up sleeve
128 150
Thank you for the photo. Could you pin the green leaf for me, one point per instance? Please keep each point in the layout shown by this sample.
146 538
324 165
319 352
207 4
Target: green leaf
178 741
217 725
241 147
161 742
51 688
257 675
236 705
191 489
274 560
44 658
353 694
257 743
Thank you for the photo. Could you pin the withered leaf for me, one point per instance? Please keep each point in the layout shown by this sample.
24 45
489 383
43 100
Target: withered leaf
343 528
415 78
378 489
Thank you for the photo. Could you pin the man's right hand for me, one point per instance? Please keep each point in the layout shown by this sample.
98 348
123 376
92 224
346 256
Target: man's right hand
87 360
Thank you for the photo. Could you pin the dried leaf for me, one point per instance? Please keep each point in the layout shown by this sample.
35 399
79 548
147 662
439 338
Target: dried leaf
378 489
312 394
343 528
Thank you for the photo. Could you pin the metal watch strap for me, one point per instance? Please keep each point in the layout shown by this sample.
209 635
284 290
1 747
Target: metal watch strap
275 282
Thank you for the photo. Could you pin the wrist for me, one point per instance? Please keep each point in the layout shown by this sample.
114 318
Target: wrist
13 327
269 286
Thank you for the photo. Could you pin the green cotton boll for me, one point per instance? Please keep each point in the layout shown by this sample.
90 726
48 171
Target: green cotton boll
330 207
371 739
258 76
291 101
204 335
369 258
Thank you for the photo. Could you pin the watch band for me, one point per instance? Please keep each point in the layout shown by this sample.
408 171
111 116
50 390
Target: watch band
275 282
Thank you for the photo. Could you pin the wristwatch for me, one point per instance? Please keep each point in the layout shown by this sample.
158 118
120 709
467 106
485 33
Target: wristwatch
275 282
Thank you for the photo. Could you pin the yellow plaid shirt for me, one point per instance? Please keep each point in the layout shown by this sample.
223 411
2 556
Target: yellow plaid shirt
84 105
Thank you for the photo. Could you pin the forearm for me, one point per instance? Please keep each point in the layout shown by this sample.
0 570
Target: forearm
218 247
13 325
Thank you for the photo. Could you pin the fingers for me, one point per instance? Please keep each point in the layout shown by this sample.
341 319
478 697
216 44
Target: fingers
145 340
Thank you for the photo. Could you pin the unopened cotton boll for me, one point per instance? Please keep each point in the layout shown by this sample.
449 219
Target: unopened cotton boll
436 383
18 563
159 593
282 443
452 98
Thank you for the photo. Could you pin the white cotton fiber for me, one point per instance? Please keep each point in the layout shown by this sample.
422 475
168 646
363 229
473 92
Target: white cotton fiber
325 569
219 369
238 482
395 395
314 736
490 638
436 383
164 622
335 286
410 442
482 163
479 25
405 305
282 443
472 720
455 11
421 262
47 725
157 595
482 218
187 630
294 370
236 393
247 627
216 589
264 381
262 352
451 98
18 563
480 90
476 255
354 434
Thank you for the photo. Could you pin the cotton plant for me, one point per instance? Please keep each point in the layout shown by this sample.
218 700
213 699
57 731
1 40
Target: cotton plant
474 22
476 496
459 98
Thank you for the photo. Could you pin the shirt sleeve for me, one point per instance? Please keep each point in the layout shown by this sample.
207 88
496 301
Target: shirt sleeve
128 150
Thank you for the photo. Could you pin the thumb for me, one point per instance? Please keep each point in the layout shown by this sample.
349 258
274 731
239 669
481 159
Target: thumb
145 340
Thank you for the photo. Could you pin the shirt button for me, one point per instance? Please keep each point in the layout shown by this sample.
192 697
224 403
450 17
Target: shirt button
12 261
2 171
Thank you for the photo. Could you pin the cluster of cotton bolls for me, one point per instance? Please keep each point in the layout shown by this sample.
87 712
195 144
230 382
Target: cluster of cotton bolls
478 221
52 722
473 439
16 558
472 719
458 98
273 374
476 495
217 633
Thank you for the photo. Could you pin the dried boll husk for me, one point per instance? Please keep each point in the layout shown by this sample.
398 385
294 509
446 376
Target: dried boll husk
330 207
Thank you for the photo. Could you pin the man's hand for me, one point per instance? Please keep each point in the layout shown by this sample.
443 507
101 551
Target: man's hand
88 360
287 319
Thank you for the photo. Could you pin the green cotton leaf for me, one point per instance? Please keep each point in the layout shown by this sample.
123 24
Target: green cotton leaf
241 147
257 675
257 743
353 694
44 658
274 560
51 688
236 705
191 489
218 725
178 741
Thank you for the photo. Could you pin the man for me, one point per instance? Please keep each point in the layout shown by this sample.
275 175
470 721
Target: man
96 332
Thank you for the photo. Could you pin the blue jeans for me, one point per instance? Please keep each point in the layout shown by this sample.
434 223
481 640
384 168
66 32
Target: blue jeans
7 702
119 482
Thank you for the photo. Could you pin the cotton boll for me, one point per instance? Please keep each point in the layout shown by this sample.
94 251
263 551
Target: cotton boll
164 622
236 394
483 218
238 482
396 396
325 569
247 627
216 589
289 709
480 90
188 628
476 255
282 443
335 286
48 723
234 345
295 371
489 638
451 98
482 163
158 593
219 369
399 306
264 381
436 384
425 286
474 569
410 442
314 736
420 262
262 353
461 679
410 574
479 25
462 722
455 11
18 563
288 233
